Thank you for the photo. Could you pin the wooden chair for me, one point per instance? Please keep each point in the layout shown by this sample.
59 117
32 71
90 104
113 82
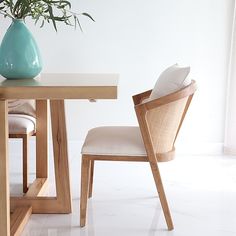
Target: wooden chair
22 127
153 141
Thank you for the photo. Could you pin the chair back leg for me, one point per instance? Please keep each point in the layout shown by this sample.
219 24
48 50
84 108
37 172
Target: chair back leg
162 196
25 141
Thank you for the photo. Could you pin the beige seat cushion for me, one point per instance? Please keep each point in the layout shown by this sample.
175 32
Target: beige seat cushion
21 124
114 140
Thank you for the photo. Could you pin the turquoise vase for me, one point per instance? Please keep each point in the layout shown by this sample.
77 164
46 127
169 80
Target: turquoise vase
19 54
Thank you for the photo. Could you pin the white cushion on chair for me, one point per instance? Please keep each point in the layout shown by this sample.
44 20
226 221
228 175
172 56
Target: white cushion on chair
21 124
22 106
171 80
114 140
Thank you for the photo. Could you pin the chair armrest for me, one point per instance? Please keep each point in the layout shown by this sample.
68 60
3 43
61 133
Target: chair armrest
138 98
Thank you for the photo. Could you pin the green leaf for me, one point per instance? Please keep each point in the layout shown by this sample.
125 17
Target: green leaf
66 3
41 26
86 14
25 8
52 17
50 11
16 7
62 18
77 19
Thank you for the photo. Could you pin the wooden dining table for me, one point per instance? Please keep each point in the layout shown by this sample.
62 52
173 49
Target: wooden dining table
55 88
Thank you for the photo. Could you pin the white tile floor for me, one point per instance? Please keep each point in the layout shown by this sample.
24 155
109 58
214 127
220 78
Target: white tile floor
201 191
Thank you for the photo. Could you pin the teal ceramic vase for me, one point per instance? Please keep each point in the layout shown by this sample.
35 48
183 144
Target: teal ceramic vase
19 54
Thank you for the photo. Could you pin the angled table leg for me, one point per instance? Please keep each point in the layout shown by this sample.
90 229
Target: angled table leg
62 202
60 152
4 178
19 219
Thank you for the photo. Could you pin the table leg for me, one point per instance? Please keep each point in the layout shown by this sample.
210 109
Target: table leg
41 139
62 202
61 164
4 179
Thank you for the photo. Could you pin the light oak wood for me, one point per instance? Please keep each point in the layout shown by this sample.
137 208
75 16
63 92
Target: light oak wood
91 178
55 87
85 172
40 204
61 86
159 121
138 98
60 151
161 157
62 93
184 113
154 166
4 178
19 219
62 202
41 144
25 162
25 155
41 139
37 187
21 135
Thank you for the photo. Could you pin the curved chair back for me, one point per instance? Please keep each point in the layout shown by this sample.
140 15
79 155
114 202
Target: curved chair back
160 121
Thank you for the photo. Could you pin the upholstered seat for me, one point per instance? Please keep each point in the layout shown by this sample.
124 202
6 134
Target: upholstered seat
114 140
21 124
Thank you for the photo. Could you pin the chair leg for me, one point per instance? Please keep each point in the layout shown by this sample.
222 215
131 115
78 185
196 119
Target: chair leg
25 140
91 178
85 172
162 196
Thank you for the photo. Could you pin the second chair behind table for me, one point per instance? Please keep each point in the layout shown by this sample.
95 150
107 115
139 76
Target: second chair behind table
24 117
22 125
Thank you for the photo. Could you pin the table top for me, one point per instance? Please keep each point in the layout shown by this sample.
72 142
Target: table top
61 86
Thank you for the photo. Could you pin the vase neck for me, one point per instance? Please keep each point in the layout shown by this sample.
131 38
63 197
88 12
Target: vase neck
18 21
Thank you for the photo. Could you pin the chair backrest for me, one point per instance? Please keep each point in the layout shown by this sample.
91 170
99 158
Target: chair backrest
160 121
22 106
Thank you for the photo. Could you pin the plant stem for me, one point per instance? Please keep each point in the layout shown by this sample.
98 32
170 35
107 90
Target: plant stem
5 13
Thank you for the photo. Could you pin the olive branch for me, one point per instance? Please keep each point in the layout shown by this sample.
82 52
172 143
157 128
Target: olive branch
50 11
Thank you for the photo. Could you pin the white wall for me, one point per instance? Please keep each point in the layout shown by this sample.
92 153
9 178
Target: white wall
138 39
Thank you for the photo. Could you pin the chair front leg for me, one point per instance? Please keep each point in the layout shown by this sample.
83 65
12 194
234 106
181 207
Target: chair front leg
85 173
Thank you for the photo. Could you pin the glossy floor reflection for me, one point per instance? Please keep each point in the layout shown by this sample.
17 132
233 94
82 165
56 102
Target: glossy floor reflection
201 191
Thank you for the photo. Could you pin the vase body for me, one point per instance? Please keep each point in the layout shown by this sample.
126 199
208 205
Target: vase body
19 54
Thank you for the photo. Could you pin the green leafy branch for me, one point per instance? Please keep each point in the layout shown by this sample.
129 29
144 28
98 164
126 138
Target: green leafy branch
42 11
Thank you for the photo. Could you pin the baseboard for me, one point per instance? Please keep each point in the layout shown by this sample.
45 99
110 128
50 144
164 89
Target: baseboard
74 146
229 150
